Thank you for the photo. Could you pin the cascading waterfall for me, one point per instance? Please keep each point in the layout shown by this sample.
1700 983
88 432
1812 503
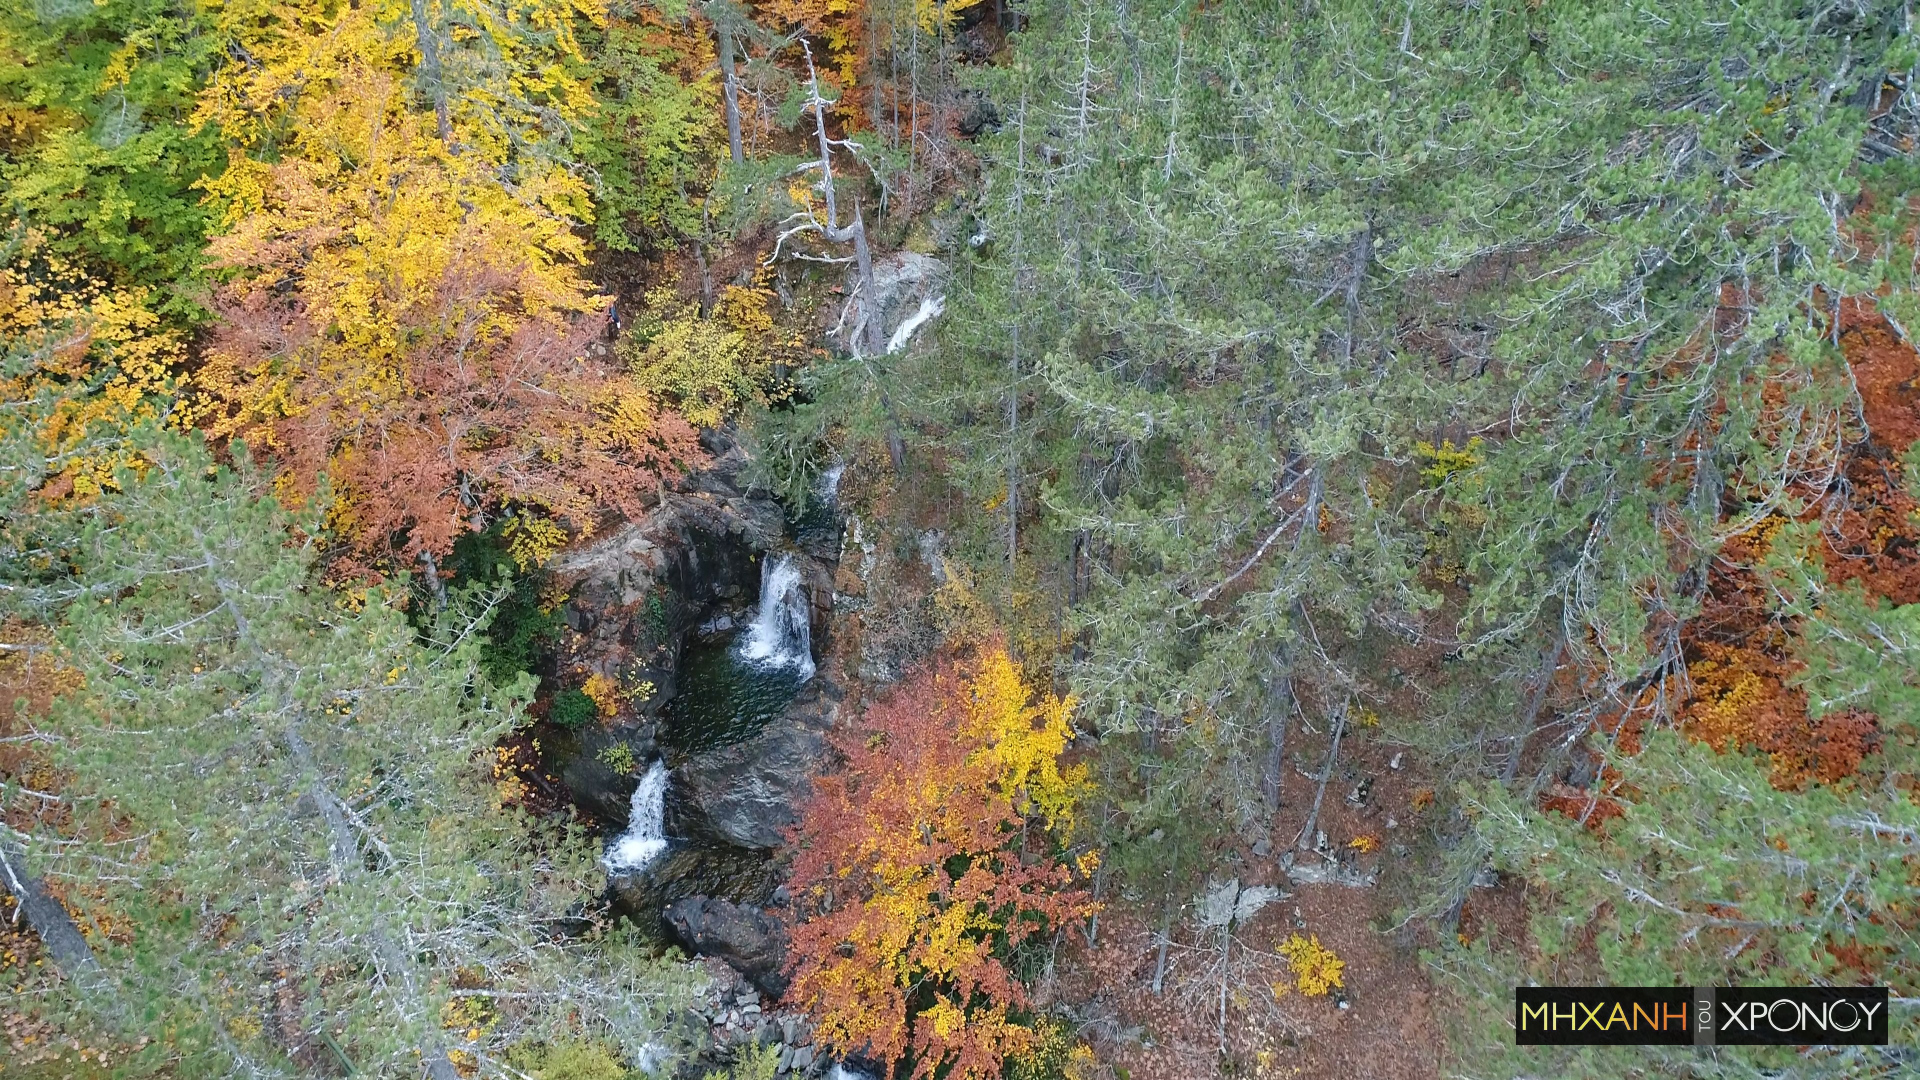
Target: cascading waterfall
828 487
930 306
781 634
646 835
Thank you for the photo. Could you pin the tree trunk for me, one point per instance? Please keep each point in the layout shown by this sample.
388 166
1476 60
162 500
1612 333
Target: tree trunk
1279 707
64 944
1320 793
873 338
343 849
430 72
729 89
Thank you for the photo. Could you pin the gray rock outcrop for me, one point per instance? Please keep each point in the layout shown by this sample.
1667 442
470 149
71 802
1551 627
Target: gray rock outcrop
749 793
746 938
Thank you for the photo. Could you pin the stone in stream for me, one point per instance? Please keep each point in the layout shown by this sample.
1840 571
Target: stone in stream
747 939
749 793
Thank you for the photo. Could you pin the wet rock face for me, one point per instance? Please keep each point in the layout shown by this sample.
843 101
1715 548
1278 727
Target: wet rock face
902 282
750 793
576 758
632 597
748 939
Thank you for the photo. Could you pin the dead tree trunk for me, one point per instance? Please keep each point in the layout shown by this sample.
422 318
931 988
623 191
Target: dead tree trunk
730 90
1279 708
62 939
430 70
1326 772
871 339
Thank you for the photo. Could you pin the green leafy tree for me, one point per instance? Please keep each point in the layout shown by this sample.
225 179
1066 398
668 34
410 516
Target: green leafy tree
652 144
94 144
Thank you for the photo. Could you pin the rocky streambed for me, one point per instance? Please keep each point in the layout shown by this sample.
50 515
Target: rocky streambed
712 619
710 613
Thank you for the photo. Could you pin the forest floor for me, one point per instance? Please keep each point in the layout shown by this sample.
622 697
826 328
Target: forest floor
1206 1022
33 1047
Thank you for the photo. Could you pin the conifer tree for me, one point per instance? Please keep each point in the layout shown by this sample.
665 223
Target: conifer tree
285 795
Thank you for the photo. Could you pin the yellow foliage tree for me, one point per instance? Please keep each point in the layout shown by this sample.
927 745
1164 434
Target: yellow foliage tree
708 367
410 315
100 351
913 877
1021 737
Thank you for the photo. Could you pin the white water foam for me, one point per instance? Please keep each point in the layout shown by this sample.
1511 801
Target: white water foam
930 306
828 487
781 634
646 835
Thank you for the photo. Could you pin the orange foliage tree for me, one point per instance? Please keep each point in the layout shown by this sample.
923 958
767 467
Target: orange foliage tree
925 864
407 311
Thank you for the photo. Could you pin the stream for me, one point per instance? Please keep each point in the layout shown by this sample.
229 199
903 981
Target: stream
729 690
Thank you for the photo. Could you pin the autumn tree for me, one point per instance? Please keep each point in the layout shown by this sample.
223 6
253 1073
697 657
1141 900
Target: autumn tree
94 151
88 361
408 312
928 862
652 143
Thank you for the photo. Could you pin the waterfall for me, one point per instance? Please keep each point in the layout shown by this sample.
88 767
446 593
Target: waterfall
930 306
646 835
828 487
781 635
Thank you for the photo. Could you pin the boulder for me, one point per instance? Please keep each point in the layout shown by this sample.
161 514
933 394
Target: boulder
746 938
749 793
576 758
976 113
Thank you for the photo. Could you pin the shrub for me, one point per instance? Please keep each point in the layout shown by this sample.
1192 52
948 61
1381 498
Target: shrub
572 708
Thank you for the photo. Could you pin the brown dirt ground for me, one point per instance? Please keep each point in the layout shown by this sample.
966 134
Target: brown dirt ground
1388 1031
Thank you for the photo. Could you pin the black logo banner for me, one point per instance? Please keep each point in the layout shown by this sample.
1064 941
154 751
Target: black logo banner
1700 1016
1603 1016
1800 1015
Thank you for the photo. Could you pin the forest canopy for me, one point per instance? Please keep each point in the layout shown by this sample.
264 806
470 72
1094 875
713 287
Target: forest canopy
1292 513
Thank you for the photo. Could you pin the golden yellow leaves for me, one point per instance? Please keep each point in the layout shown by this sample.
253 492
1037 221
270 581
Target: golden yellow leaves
605 693
532 540
84 335
1440 463
706 367
918 868
1315 968
936 16
1021 743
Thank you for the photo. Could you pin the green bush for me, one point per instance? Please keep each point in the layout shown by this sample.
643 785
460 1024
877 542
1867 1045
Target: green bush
568 1059
525 623
572 708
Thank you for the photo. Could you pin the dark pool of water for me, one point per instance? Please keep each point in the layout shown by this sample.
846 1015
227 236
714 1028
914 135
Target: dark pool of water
722 699
819 525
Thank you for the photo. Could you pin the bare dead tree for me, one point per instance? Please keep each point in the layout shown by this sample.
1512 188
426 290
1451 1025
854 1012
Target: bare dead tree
870 337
